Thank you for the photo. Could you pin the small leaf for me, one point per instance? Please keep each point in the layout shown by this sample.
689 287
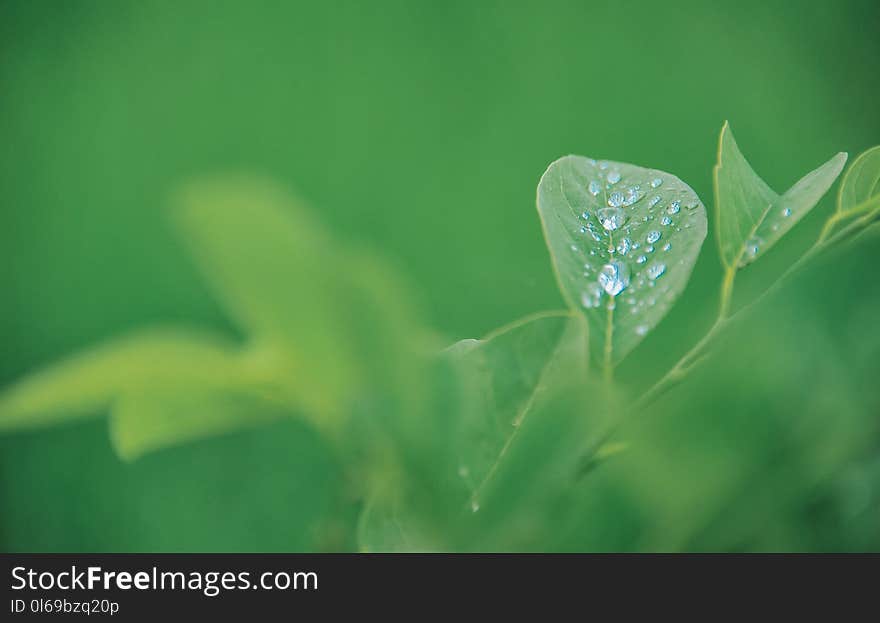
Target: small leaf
623 240
87 383
751 217
860 187
145 421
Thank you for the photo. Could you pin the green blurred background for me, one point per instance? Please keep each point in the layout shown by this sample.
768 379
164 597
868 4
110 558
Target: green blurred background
421 129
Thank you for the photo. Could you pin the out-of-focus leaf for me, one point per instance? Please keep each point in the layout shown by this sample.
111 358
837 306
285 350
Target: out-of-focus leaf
330 333
155 360
141 422
623 240
339 318
750 216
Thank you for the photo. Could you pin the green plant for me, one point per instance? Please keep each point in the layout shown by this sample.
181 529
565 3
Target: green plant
486 444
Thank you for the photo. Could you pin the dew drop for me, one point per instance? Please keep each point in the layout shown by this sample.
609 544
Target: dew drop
786 212
615 200
613 177
591 296
674 207
624 246
667 246
654 201
666 221
656 182
611 218
753 247
652 237
641 259
614 277
655 270
595 188
633 195
642 329
649 249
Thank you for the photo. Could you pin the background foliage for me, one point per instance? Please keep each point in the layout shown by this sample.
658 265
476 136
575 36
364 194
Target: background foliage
420 130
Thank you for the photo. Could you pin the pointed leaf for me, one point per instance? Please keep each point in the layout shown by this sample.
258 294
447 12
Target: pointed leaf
751 217
86 383
623 240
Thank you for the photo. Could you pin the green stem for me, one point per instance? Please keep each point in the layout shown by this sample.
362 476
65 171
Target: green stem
691 357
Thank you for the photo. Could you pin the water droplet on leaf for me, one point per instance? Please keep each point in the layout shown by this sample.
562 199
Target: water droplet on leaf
591 296
615 200
655 270
611 218
614 277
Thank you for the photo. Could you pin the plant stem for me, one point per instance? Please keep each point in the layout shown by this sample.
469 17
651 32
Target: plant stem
608 368
691 357
683 366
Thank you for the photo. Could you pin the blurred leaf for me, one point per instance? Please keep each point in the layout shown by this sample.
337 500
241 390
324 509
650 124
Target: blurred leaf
339 319
141 422
331 332
623 240
154 360
751 217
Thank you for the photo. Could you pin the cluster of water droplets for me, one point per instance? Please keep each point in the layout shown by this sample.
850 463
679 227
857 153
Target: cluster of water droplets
629 266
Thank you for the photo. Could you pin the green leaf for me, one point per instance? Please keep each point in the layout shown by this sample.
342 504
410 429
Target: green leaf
330 329
506 373
141 422
750 216
500 441
339 319
860 187
88 383
511 371
623 240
